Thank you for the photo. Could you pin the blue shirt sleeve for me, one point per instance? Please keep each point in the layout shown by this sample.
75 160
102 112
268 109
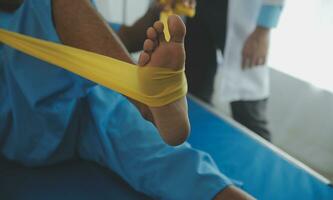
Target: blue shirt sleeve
36 79
269 16
4 19
38 100
115 26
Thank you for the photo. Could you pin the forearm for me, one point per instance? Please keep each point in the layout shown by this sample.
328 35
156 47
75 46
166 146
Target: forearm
134 36
79 25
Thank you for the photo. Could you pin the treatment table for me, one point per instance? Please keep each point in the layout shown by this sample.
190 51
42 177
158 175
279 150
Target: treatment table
255 165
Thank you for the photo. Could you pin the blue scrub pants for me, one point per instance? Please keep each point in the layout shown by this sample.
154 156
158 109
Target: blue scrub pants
48 115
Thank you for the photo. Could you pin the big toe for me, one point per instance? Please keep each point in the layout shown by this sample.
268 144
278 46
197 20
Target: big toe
177 29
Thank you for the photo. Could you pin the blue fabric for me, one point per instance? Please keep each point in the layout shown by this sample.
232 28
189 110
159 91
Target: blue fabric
38 98
116 27
71 180
269 16
264 173
4 19
49 115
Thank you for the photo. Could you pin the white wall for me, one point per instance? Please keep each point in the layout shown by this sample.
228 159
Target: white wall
301 121
302 45
122 11
301 102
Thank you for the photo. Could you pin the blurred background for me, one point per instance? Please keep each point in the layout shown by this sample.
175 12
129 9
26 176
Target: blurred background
300 108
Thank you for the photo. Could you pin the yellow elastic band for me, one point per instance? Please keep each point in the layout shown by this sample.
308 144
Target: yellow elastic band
164 19
180 9
153 86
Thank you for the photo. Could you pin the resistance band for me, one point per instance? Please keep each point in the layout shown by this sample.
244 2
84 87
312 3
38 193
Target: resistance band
153 86
180 9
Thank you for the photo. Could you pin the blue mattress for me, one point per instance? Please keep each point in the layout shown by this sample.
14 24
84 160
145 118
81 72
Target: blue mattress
257 168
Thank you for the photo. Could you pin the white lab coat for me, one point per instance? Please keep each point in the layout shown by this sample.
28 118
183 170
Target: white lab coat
231 82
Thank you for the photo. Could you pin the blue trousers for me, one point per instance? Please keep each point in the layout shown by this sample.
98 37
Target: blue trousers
49 115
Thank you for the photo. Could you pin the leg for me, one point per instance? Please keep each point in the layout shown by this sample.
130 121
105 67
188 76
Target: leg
171 118
140 157
117 137
38 100
252 114
85 29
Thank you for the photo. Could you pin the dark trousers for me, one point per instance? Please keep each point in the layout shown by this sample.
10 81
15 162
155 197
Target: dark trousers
206 33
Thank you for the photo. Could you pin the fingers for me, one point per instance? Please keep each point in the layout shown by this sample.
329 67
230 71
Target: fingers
190 3
251 61
193 3
171 4
255 50
186 3
260 61
252 56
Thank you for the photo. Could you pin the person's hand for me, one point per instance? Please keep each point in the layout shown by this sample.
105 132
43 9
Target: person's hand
255 49
171 4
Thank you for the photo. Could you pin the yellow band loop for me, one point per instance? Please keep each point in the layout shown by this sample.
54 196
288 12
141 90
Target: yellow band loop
180 9
153 86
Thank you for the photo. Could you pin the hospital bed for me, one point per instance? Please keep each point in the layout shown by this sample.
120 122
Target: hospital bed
253 164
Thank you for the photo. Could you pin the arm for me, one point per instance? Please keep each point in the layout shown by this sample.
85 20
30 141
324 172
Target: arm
134 36
85 29
256 47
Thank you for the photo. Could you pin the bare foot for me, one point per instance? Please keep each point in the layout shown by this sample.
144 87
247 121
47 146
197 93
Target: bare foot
172 119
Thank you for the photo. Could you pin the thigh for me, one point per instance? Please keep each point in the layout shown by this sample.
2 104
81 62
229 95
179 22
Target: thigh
253 115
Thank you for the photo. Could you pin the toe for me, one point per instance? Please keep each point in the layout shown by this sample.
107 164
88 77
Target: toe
158 26
177 29
144 58
152 33
148 45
